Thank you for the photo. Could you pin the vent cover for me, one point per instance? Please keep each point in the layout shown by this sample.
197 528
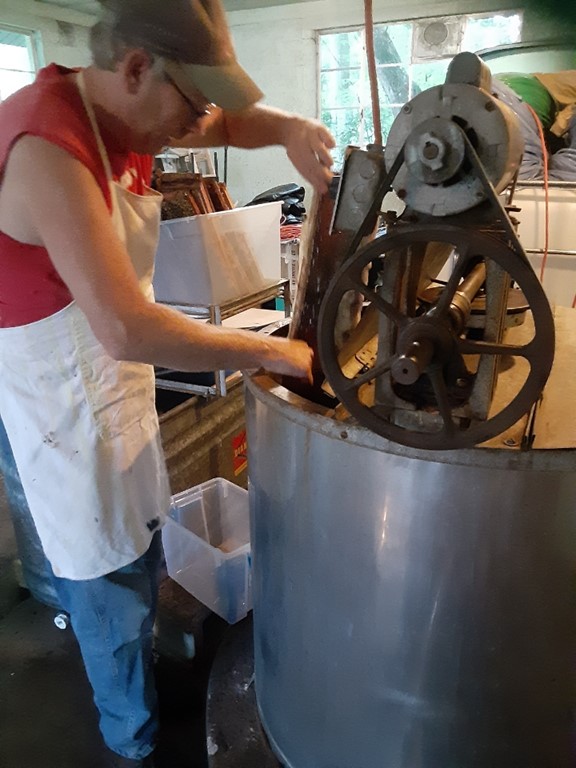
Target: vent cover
435 38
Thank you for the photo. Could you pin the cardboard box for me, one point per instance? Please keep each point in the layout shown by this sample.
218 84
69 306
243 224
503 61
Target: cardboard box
218 257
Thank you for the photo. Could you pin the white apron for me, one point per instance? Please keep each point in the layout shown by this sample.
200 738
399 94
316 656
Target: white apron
82 426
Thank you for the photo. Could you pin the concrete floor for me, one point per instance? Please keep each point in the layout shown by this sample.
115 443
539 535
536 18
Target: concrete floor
47 718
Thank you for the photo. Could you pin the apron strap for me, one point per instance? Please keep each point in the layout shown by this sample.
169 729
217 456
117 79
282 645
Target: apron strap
81 83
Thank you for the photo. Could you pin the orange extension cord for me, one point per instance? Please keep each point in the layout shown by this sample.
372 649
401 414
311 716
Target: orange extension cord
546 195
546 198
372 74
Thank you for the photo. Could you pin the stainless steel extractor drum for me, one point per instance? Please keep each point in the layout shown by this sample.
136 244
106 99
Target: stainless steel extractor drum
415 600
412 609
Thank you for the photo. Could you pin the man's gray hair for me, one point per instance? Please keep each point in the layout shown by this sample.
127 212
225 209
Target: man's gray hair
108 47
190 36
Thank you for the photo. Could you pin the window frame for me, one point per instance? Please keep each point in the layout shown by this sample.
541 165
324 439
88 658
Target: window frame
34 47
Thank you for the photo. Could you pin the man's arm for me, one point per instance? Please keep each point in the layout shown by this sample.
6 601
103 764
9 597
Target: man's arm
60 205
307 142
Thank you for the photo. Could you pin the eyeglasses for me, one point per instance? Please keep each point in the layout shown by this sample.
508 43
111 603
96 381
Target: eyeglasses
198 111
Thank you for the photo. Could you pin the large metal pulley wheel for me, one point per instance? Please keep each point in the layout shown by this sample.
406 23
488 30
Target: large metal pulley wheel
425 364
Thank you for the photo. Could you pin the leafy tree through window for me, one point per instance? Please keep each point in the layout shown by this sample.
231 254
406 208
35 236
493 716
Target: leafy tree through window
411 56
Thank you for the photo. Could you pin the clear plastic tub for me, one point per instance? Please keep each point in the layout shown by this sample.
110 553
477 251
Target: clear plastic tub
217 257
207 546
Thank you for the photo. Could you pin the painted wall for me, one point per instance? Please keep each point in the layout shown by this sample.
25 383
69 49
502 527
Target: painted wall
63 34
277 46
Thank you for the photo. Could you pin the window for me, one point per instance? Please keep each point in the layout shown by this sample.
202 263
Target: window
411 56
18 59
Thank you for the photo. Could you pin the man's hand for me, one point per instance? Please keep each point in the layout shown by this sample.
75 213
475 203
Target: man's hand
308 143
290 357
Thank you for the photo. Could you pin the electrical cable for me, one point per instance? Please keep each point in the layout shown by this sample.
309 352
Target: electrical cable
546 194
372 74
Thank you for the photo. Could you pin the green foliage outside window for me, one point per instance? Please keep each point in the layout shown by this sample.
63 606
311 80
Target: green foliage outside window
403 69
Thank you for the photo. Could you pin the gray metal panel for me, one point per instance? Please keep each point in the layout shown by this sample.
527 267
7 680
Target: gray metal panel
409 613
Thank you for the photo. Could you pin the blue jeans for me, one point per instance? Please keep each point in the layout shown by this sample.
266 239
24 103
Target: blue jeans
112 617
35 567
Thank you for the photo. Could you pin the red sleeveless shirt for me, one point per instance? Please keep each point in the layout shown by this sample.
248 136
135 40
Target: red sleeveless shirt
51 108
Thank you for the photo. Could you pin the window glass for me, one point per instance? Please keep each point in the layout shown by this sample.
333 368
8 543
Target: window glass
393 85
345 125
18 60
393 43
387 117
342 49
342 88
490 31
427 74
403 69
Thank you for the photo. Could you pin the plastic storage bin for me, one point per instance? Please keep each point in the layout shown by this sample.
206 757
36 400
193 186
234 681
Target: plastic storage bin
207 546
218 257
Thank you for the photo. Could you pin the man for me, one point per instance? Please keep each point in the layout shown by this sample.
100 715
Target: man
78 330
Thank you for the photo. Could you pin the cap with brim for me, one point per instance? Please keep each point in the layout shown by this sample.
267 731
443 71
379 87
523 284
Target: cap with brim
229 86
193 39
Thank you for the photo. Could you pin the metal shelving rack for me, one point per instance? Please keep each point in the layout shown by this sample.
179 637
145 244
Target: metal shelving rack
215 314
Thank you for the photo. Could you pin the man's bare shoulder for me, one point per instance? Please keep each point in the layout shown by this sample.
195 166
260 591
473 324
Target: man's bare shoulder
37 171
29 150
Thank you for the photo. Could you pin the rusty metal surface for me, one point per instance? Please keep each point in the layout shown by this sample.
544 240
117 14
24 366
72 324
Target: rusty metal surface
450 383
433 379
